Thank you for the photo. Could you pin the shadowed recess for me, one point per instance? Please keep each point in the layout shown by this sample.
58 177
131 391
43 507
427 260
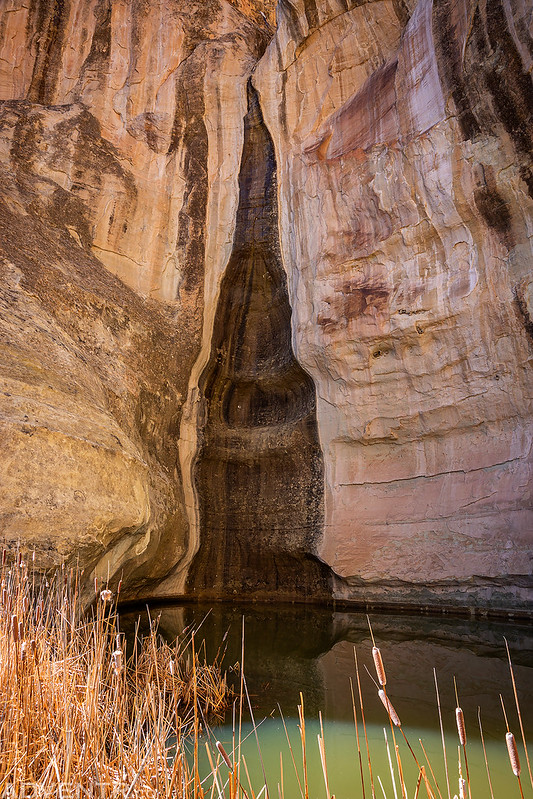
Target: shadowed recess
259 471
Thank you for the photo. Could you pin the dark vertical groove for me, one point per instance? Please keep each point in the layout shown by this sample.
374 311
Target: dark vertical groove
259 473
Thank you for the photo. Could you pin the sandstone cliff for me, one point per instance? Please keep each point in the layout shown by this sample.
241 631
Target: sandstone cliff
267 296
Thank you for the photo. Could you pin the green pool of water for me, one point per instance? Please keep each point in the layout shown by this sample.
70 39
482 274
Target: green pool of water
291 649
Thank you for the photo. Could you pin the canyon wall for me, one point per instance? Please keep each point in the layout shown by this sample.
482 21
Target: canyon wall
267 298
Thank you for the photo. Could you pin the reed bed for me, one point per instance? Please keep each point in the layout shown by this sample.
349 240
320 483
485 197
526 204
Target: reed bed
80 716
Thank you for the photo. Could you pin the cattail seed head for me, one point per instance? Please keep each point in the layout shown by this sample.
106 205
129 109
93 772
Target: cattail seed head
23 651
378 663
387 704
462 788
171 667
513 753
119 586
117 661
4 554
15 628
21 631
96 585
224 755
106 595
459 718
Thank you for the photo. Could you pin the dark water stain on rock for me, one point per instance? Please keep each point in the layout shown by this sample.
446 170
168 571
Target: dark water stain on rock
259 473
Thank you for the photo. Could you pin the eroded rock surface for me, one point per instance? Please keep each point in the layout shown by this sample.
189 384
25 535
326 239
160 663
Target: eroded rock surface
403 138
368 384
120 140
259 471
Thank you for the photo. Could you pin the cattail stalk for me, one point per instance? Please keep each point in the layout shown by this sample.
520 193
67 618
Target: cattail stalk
459 718
378 663
513 753
224 755
518 711
364 722
387 704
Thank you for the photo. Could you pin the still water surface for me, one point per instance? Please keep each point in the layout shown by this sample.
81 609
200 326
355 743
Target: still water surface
290 649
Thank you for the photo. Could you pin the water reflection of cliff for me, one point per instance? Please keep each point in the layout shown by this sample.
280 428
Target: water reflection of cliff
289 649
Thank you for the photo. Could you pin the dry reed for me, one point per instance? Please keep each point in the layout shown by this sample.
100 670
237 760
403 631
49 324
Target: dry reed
78 717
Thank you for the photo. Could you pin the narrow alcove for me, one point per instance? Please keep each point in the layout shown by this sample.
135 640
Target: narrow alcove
259 469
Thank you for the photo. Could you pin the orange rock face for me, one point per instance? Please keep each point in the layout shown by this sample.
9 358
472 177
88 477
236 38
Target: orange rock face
400 134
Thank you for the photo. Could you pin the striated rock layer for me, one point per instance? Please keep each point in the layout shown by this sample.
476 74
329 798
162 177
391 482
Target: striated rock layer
403 138
270 342
259 472
120 141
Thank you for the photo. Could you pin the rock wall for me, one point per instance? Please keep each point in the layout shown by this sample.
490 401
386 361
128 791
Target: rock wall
120 140
403 138
362 390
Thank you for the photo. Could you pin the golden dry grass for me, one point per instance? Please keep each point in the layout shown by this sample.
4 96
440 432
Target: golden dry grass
79 715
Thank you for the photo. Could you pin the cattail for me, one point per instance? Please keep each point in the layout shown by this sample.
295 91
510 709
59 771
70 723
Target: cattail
171 666
462 788
106 595
389 708
459 718
513 753
96 585
23 651
225 757
119 586
20 630
4 554
378 663
117 661
15 628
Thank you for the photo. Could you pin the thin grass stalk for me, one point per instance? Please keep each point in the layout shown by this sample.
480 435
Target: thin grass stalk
442 734
301 717
484 752
322 751
256 736
418 783
391 768
394 720
400 770
291 751
382 788
357 738
248 777
430 768
364 723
